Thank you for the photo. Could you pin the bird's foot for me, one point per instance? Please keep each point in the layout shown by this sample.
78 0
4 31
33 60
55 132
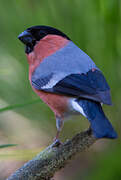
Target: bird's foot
56 143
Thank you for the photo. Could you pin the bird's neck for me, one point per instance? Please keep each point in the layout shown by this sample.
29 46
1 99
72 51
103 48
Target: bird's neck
44 48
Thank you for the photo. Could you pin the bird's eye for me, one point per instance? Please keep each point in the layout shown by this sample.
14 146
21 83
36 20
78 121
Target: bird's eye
38 34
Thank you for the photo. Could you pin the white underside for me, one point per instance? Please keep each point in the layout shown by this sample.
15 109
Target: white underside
76 107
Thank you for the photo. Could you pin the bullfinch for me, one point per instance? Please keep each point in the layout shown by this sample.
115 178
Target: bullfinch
66 79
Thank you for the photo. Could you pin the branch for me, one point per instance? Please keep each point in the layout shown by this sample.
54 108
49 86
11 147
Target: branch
49 161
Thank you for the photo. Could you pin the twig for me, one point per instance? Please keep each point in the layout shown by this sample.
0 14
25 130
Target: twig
49 161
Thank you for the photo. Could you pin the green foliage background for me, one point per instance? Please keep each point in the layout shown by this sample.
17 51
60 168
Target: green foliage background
95 26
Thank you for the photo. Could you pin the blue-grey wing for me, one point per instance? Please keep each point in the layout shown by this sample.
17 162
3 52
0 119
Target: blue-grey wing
91 85
71 72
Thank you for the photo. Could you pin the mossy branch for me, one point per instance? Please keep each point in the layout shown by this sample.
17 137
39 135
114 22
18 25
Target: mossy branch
49 161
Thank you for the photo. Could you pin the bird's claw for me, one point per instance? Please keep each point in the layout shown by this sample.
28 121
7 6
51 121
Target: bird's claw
56 143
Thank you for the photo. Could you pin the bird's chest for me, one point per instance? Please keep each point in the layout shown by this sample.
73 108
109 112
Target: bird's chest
58 103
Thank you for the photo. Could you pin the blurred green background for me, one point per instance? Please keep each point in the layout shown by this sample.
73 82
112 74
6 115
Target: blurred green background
95 26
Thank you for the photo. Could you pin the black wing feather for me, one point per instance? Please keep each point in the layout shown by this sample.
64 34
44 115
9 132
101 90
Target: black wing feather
91 85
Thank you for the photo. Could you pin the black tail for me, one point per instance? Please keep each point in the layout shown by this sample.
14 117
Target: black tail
100 125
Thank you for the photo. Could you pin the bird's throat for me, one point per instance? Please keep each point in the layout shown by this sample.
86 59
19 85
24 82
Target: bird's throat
46 47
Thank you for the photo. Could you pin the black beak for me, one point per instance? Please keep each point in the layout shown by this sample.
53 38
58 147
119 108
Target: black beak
26 37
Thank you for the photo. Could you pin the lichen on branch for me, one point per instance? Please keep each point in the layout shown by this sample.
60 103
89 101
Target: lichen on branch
53 158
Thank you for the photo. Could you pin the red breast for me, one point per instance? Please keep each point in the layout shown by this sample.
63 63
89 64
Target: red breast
44 48
57 103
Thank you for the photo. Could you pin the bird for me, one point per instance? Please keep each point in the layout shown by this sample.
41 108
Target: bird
67 79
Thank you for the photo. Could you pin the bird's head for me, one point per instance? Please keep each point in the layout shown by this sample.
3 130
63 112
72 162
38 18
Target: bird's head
33 35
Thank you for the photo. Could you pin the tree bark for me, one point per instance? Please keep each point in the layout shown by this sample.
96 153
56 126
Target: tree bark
53 158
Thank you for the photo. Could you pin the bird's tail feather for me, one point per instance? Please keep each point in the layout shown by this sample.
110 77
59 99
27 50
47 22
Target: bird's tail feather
100 125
